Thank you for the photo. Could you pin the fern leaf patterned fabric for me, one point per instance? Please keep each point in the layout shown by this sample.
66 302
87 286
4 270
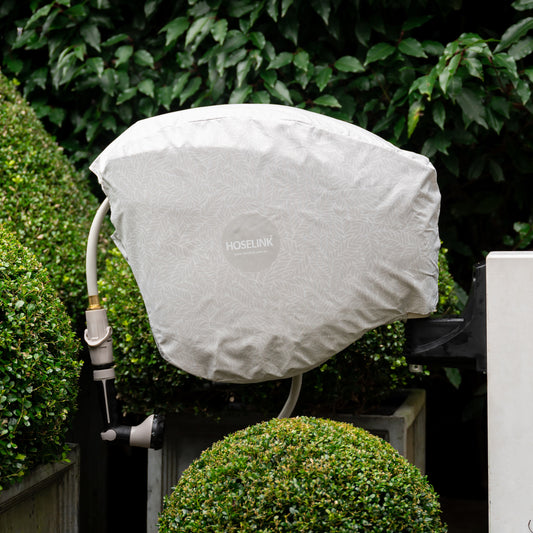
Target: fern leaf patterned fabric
265 239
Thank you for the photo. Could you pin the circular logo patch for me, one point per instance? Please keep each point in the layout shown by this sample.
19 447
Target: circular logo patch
250 242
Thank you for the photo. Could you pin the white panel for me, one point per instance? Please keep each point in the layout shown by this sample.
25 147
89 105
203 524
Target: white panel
510 390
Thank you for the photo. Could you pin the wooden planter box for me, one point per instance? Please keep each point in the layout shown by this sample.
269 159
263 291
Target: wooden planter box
186 437
46 500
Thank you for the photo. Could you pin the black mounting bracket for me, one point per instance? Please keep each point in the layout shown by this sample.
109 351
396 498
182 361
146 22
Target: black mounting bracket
456 341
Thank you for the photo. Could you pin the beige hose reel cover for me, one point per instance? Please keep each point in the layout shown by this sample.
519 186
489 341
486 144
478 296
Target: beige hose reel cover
265 239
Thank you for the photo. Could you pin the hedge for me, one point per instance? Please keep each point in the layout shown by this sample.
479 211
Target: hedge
302 475
39 368
45 201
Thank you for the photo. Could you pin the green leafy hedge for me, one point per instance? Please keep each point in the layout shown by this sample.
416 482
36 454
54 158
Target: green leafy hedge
44 200
302 474
39 367
452 83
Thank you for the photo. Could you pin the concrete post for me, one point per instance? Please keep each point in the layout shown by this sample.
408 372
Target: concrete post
510 391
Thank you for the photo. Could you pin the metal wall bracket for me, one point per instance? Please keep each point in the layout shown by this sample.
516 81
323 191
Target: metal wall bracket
457 341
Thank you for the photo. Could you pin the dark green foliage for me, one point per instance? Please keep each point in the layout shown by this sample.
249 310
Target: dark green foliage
449 301
302 474
39 368
44 200
432 77
523 236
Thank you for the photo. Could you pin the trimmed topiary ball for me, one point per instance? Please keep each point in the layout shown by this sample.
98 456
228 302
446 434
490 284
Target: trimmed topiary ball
306 475
39 367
